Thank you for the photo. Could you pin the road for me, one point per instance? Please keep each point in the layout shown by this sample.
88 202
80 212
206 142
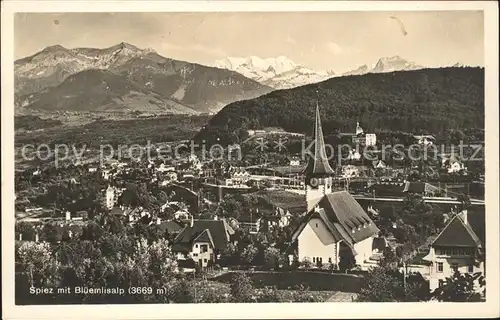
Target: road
426 199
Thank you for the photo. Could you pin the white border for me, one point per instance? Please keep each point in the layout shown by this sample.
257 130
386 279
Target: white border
252 311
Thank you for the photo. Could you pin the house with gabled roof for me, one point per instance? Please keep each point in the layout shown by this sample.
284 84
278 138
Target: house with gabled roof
459 247
202 241
337 226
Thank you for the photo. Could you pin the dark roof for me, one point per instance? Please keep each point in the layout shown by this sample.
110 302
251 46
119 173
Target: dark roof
477 222
187 264
293 202
205 236
170 226
220 232
284 170
419 187
342 214
318 165
457 234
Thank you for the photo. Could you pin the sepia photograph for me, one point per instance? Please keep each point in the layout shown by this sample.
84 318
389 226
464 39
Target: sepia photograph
254 158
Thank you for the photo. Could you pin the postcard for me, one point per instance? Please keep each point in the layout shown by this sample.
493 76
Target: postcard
248 159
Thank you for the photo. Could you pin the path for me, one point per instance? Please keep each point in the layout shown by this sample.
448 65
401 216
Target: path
342 297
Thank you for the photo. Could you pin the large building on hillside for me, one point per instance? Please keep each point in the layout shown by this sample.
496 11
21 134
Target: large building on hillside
335 225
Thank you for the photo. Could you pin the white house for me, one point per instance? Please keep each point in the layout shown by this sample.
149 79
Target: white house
379 164
295 161
371 139
425 140
456 248
350 171
336 226
353 155
202 241
453 165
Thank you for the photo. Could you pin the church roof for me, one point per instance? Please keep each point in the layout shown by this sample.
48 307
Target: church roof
318 164
344 217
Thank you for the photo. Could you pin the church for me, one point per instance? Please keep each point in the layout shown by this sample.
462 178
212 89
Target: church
335 227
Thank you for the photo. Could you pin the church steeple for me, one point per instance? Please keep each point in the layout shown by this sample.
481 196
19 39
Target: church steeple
318 165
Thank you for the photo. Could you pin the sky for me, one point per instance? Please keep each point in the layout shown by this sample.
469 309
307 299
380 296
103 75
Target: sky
339 41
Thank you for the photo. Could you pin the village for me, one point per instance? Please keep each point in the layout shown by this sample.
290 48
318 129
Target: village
422 217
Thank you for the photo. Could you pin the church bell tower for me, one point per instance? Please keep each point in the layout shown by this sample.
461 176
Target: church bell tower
318 172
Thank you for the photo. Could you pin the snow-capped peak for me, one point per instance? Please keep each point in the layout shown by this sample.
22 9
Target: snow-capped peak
279 72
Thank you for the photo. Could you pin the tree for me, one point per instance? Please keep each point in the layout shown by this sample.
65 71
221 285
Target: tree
270 294
380 286
38 263
346 260
241 288
306 263
272 257
461 288
249 253
464 202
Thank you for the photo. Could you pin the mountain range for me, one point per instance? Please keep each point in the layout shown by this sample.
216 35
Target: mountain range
282 73
125 78
428 101
278 73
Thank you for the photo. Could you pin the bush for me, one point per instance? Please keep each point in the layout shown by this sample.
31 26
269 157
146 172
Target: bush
241 288
270 294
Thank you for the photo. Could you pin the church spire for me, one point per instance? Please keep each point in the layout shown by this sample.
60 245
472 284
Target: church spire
318 166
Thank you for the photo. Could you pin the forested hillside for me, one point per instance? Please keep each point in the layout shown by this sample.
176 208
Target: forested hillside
421 101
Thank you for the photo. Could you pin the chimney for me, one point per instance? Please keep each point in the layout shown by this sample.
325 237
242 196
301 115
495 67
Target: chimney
20 236
36 237
68 215
192 222
158 220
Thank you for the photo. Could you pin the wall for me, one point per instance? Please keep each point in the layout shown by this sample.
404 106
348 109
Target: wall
313 279
206 256
463 263
363 250
316 241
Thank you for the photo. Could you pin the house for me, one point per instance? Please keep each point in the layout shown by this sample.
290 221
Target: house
294 161
172 227
336 227
239 176
459 247
422 188
424 139
452 164
353 155
350 171
250 221
202 241
379 164
362 138
164 168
